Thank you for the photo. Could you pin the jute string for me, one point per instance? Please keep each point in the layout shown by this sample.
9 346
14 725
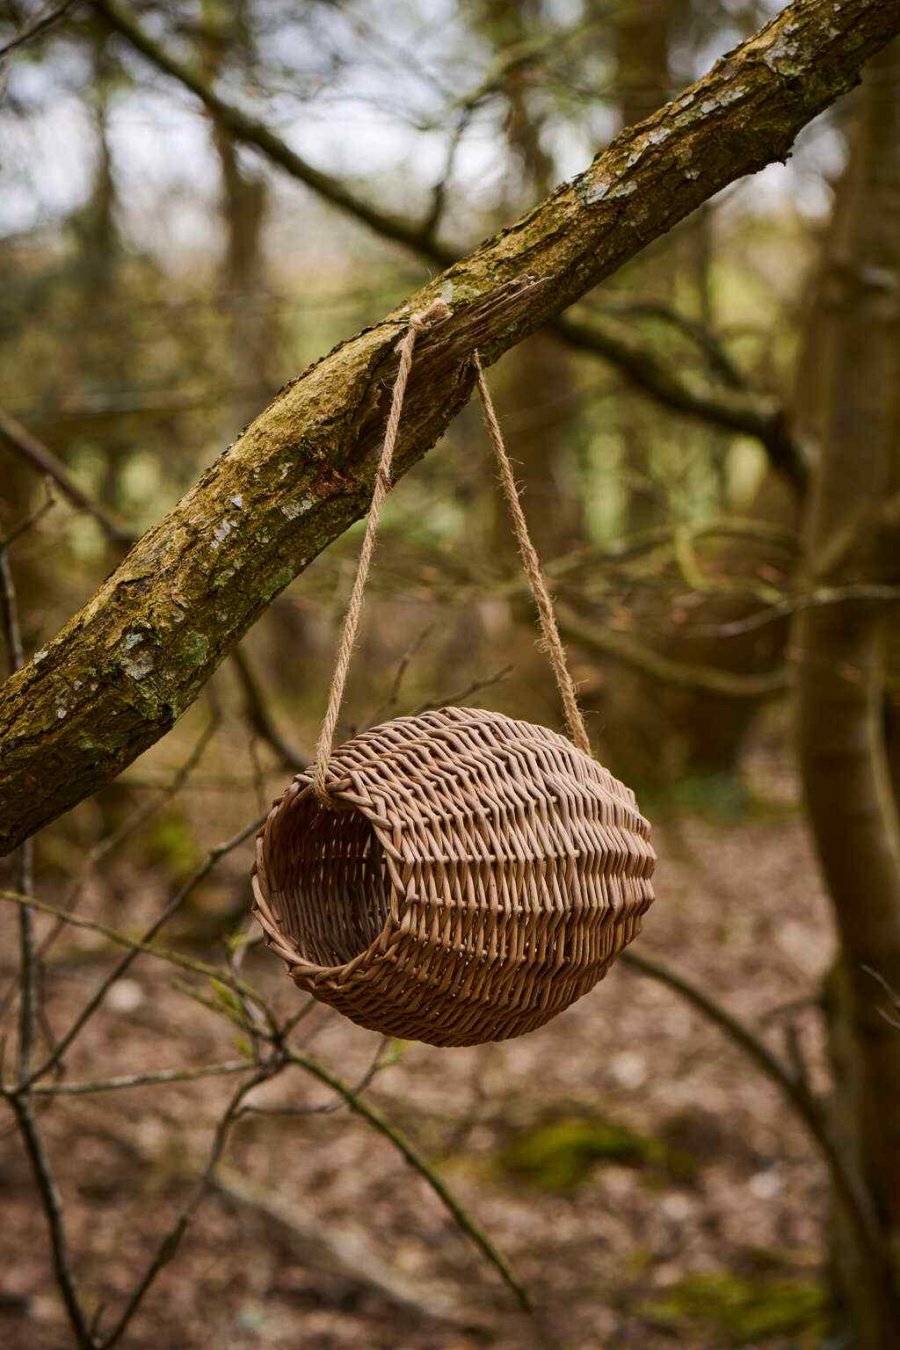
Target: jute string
550 639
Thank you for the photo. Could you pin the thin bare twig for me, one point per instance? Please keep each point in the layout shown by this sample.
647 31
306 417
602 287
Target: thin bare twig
12 631
432 221
351 1095
848 1185
379 1122
137 1080
708 342
892 994
143 944
28 970
793 604
389 704
133 823
135 947
458 695
52 1206
300 1015
326 1108
40 25
340 1253
172 1240
260 718
28 447
34 516
629 649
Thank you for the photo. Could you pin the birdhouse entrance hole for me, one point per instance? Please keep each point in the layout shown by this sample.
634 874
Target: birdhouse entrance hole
329 874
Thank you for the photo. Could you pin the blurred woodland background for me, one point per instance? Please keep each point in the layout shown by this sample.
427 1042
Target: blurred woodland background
706 1150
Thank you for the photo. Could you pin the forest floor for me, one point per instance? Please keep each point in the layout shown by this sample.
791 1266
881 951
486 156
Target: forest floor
647 1184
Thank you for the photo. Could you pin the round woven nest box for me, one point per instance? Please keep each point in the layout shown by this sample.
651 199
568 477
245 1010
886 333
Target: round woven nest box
472 877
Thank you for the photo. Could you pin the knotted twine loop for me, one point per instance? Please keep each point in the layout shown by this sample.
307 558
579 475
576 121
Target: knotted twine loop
551 641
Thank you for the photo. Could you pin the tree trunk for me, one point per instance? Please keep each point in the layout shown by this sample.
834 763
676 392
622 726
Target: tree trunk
243 200
537 383
840 651
643 31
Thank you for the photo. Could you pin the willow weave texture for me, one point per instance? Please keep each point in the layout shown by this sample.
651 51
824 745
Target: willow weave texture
470 877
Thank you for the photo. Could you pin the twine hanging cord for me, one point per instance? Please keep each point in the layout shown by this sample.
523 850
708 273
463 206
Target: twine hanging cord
325 744
551 641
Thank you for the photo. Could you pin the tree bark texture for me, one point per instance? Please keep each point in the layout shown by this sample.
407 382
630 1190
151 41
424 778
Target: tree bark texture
124 669
643 31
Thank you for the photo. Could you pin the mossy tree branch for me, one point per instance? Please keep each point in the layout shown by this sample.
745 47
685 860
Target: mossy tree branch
124 669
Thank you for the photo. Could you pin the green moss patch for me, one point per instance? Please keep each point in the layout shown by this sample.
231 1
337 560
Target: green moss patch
743 1310
559 1155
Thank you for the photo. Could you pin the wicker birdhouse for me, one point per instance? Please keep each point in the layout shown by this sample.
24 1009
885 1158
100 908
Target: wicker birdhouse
469 877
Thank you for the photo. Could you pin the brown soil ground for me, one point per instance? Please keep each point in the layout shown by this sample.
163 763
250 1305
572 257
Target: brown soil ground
715 1178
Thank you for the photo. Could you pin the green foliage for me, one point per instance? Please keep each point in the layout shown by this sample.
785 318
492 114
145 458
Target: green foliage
559 1155
228 1000
742 1309
393 1053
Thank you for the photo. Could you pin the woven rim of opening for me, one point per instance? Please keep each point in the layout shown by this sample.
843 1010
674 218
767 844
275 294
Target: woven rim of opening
298 789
